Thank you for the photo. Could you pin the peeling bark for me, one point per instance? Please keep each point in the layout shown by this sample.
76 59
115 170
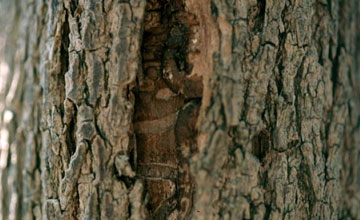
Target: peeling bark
184 109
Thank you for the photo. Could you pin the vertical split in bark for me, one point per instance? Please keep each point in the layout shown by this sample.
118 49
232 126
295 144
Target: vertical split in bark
166 108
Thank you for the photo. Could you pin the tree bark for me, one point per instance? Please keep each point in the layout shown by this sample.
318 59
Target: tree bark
184 109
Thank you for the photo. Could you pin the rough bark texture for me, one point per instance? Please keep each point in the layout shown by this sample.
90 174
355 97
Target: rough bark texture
182 109
280 137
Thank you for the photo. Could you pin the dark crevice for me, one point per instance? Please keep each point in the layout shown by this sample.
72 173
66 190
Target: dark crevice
129 210
297 83
235 146
305 185
132 154
73 6
256 16
335 70
267 114
65 41
261 144
86 93
59 79
267 212
329 4
279 81
106 74
246 106
214 10
98 202
71 133
128 181
70 138
99 132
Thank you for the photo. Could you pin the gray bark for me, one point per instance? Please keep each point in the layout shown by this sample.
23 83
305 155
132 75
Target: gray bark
186 109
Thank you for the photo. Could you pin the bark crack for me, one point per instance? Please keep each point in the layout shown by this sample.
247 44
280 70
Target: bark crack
163 90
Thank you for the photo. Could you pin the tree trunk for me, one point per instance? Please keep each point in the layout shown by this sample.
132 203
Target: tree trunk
182 109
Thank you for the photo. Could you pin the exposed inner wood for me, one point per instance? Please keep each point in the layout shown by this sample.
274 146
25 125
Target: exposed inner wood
166 109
